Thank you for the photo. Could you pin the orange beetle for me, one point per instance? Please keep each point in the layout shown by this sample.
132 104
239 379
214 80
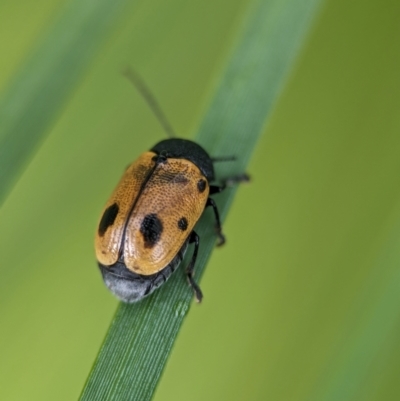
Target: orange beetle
147 224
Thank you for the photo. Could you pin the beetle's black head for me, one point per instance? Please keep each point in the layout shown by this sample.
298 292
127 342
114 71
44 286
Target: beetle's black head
189 150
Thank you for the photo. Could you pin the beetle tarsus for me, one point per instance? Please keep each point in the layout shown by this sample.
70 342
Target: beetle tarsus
236 179
198 295
221 238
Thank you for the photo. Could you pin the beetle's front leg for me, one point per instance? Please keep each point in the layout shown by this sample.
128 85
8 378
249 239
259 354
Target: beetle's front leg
229 182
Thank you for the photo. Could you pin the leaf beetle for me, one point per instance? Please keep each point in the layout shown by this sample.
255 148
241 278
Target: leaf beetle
148 222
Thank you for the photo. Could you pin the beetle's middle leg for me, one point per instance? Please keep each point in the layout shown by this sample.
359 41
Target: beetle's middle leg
215 189
218 227
190 269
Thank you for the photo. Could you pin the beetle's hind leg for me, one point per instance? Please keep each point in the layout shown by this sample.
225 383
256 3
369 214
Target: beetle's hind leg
190 269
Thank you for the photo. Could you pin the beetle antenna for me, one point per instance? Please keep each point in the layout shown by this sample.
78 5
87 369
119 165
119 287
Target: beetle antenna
139 84
223 159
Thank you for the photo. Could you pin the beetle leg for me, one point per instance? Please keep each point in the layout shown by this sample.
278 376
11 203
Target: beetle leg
190 269
221 237
215 189
236 179
229 182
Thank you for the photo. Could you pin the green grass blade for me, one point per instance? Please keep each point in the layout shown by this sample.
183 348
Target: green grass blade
35 98
141 336
372 332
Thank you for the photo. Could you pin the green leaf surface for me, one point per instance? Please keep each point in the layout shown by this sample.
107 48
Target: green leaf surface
32 102
141 336
302 302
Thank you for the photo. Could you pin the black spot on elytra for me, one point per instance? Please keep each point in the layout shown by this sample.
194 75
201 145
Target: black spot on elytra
182 223
108 218
201 185
151 229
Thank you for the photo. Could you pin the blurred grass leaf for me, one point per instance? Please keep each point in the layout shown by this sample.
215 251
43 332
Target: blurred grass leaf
141 336
38 92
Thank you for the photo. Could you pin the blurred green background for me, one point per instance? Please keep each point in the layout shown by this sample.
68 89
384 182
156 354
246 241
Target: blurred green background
303 301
